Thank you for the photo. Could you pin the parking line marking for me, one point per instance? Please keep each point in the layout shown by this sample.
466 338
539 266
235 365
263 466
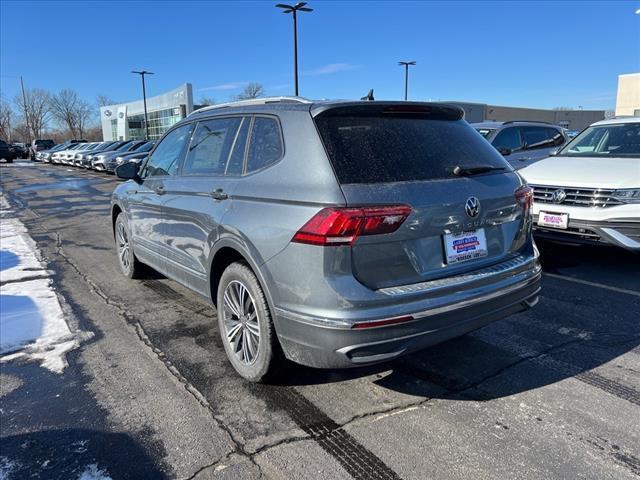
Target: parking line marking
593 284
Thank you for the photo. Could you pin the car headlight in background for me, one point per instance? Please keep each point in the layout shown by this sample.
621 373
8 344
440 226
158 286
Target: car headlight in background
628 195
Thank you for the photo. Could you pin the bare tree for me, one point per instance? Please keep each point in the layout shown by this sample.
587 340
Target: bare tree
35 109
5 120
252 90
71 112
207 101
84 114
104 100
64 108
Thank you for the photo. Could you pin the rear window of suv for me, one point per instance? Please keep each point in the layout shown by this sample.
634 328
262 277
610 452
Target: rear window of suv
379 149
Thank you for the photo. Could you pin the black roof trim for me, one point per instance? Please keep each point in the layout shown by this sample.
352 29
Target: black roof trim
436 111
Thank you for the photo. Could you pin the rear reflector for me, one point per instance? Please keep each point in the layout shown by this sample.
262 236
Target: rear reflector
342 226
524 196
382 323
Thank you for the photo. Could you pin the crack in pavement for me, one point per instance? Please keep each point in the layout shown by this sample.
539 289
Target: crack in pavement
144 338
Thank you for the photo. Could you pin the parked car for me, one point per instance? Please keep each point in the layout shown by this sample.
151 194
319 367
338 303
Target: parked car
20 150
57 157
107 161
68 157
45 155
140 153
38 145
522 143
122 148
87 161
80 157
590 191
340 233
6 152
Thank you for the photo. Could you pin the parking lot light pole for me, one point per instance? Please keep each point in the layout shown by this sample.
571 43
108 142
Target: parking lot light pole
298 7
142 73
406 77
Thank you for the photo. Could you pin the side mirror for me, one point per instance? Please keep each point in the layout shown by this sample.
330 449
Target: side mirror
504 151
128 171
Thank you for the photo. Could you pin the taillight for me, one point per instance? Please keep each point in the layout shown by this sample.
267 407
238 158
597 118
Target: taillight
342 226
524 196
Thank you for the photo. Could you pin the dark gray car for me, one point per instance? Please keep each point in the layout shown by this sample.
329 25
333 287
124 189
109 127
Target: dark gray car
522 143
336 234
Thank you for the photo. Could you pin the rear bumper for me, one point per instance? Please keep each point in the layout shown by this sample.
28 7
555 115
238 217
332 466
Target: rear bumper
441 312
623 233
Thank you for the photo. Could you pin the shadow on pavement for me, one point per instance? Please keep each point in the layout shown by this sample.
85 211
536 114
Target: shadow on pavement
68 453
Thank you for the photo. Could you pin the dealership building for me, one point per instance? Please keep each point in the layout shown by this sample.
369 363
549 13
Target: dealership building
570 119
125 121
628 95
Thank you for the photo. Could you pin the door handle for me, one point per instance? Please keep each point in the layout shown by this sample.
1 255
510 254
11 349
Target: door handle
160 190
219 194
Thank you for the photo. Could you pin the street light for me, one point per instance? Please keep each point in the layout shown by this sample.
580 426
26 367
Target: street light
142 73
406 76
298 7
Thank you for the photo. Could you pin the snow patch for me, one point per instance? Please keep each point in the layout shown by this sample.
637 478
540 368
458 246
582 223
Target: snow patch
6 467
32 323
92 472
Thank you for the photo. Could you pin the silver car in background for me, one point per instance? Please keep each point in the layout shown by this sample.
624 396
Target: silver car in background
522 142
335 234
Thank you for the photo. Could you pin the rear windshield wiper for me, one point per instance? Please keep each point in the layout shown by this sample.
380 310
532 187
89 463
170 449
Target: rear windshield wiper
463 171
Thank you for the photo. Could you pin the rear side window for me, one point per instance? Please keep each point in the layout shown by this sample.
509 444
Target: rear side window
210 146
265 145
379 149
535 137
508 138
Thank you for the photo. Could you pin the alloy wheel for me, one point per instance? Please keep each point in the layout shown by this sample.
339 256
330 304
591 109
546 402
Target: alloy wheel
242 328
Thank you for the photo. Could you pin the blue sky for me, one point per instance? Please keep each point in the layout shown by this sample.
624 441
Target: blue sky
538 54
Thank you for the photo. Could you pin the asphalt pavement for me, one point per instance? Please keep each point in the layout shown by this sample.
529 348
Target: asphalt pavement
549 393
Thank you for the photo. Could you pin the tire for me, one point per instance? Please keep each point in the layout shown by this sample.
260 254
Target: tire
239 282
129 265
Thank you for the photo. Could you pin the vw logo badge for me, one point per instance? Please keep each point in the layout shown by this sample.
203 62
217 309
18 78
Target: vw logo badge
472 207
558 196
107 113
121 115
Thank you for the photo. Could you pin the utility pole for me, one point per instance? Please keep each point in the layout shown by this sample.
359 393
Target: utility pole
26 114
142 73
406 77
294 9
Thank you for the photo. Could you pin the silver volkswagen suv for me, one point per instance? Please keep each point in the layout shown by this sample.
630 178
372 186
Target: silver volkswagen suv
335 234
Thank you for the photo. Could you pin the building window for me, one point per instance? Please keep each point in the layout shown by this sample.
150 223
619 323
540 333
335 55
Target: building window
114 129
159 122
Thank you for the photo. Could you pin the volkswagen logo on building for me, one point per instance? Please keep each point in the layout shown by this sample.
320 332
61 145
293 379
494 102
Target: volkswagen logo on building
121 115
107 113
472 207
558 196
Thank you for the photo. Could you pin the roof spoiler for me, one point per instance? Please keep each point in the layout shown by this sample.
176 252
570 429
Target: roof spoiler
432 111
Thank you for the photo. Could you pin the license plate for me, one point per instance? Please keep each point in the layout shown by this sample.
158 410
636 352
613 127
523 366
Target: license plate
464 246
553 220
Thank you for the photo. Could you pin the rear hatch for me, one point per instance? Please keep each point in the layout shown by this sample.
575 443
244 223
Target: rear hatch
462 218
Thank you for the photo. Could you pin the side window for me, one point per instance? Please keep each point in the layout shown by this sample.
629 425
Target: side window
556 135
210 147
535 137
508 138
265 146
165 158
236 160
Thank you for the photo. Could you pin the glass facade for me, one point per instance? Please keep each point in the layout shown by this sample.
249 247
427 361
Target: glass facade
159 122
114 129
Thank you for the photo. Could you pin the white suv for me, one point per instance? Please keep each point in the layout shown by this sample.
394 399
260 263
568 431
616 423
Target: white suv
589 192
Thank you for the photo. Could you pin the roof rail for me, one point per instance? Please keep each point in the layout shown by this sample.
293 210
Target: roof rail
527 121
252 101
